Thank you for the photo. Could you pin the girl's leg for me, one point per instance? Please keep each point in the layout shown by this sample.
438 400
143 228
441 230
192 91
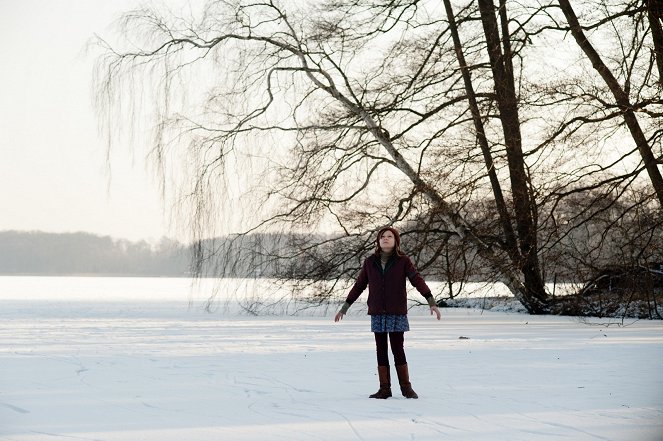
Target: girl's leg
381 348
397 339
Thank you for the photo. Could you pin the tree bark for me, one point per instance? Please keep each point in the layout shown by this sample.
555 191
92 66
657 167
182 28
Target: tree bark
508 106
500 203
657 37
621 98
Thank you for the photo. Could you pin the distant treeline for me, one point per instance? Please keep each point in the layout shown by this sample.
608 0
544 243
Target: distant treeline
38 253
254 255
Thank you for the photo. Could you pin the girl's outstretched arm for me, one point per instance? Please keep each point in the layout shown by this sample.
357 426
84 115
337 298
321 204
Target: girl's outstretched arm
342 311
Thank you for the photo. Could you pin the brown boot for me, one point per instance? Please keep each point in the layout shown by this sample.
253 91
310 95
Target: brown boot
385 383
404 381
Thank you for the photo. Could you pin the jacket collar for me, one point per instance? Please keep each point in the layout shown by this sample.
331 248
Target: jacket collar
377 262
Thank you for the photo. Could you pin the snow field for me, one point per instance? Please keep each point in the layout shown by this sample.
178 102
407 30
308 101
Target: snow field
150 370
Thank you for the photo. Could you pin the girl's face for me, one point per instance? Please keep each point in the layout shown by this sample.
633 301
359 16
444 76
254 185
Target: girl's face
387 241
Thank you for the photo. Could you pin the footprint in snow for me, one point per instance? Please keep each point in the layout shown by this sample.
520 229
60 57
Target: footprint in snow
14 408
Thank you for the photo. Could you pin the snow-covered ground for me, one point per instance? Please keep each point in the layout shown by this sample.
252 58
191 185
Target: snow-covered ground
128 359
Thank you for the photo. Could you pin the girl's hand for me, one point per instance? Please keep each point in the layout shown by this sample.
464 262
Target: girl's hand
339 316
434 309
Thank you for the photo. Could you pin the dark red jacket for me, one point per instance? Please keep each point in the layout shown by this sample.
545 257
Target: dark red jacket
386 288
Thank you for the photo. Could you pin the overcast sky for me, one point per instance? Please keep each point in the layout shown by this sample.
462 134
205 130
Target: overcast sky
54 175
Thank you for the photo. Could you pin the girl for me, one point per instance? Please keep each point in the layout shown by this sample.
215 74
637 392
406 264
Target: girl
384 273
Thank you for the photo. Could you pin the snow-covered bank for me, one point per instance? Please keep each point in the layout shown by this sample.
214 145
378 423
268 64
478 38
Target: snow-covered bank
154 370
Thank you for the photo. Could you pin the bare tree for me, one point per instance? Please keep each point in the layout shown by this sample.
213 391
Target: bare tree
655 16
477 119
500 55
621 98
353 116
347 137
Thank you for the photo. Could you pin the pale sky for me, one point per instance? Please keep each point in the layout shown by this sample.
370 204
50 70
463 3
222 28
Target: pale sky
54 174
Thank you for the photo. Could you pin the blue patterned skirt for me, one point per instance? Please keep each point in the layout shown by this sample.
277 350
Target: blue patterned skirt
389 323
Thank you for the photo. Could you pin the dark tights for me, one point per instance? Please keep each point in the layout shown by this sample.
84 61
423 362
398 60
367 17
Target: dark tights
396 339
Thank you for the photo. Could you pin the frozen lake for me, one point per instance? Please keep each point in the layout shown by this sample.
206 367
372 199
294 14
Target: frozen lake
139 359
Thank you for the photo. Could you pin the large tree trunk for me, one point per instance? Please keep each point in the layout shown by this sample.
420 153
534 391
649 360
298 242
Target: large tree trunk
621 98
657 37
500 204
507 103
